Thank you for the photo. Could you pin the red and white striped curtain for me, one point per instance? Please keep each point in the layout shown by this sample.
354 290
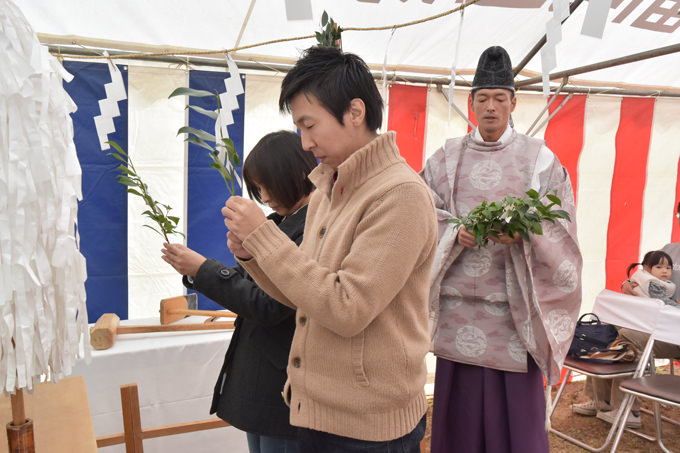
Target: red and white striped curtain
621 153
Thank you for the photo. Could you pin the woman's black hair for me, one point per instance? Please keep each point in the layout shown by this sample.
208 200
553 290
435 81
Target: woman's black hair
334 78
652 259
280 165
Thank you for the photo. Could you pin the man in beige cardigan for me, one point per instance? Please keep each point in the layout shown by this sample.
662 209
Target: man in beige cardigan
360 278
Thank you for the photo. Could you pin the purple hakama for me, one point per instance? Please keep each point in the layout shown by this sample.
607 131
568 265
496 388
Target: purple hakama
479 409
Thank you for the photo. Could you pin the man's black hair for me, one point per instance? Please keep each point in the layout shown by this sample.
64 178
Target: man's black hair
334 78
280 165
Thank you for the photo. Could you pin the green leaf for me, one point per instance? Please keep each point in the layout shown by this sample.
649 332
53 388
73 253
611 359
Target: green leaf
184 91
324 18
209 113
117 147
554 198
147 226
126 181
199 142
197 132
562 214
133 191
532 194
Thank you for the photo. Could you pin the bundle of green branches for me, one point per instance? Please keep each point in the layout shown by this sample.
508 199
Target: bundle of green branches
330 33
158 212
511 216
227 168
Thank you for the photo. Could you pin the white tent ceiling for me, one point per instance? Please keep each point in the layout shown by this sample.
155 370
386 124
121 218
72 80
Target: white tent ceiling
429 48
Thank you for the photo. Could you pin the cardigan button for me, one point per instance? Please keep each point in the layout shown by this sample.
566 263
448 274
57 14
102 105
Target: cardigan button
303 320
297 362
322 232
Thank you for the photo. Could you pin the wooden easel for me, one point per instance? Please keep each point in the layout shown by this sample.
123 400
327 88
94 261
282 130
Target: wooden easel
61 417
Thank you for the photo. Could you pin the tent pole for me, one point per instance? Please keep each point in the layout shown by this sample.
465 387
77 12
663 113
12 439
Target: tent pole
542 42
65 51
605 64
245 23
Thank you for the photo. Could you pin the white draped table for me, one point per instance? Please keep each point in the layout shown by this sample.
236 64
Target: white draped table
175 373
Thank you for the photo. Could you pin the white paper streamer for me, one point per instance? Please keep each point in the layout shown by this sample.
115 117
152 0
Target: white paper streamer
454 65
553 32
115 91
229 102
596 18
384 66
43 317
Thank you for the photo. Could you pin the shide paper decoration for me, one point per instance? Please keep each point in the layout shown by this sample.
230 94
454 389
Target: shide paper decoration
115 91
43 326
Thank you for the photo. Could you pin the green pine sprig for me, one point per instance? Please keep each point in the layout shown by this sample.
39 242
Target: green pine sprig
208 141
511 216
330 33
158 212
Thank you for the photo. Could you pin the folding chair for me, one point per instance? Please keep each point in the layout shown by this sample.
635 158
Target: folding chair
624 311
660 389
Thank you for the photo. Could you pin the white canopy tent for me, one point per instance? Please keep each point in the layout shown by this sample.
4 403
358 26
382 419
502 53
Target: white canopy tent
187 35
428 48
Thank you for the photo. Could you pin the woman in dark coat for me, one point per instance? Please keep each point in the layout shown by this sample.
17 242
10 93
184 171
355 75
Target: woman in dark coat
248 391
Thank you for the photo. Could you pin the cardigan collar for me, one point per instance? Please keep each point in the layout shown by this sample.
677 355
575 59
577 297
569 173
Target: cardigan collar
375 156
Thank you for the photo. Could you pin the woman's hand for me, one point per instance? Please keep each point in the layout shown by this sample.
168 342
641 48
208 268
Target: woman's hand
183 259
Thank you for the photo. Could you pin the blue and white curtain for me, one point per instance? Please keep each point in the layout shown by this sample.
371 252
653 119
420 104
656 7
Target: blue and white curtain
126 275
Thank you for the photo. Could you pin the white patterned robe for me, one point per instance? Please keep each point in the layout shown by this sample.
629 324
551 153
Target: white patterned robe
490 306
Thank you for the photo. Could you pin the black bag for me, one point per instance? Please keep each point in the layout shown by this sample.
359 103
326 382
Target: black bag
591 336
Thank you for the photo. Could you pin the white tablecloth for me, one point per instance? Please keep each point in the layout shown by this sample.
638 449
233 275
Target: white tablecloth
175 373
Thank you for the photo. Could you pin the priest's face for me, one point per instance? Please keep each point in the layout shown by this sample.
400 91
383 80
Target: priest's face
492 107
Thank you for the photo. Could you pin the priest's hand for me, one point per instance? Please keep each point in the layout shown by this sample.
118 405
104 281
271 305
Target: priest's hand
505 239
465 238
242 216
183 259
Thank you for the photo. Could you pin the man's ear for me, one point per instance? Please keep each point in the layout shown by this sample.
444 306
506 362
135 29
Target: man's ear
514 103
357 111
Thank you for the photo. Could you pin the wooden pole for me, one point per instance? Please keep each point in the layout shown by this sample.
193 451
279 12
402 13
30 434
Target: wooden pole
20 437
605 64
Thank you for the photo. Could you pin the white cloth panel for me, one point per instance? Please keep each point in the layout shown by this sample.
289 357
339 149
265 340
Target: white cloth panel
262 110
175 374
159 157
631 312
438 128
262 114
662 160
529 106
595 173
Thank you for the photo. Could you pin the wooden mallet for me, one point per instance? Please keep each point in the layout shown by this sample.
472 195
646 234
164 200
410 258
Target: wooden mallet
176 308
103 333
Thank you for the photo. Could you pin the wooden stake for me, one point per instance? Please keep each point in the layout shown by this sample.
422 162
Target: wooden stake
20 437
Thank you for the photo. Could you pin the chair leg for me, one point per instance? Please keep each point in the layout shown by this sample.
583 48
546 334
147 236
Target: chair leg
626 406
577 442
559 391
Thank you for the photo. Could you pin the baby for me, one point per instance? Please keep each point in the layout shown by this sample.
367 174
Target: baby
653 280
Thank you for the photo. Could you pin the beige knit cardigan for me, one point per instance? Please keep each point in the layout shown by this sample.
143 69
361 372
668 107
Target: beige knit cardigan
360 283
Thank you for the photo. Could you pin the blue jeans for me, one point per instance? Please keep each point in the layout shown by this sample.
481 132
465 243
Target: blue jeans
311 441
269 444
